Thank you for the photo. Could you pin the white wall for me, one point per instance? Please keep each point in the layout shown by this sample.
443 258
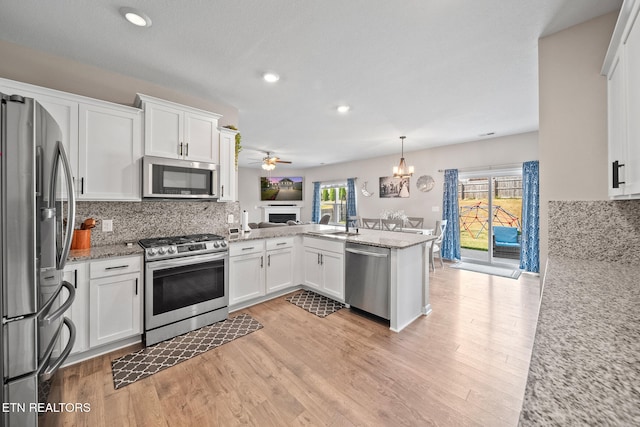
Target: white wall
573 116
42 69
511 150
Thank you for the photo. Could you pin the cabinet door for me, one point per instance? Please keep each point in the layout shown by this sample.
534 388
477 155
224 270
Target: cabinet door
76 274
617 123
333 268
312 268
163 131
246 277
227 165
64 112
279 269
110 149
632 58
201 137
115 308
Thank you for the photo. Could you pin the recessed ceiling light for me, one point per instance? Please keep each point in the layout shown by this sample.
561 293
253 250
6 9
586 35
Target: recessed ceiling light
343 109
270 77
135 17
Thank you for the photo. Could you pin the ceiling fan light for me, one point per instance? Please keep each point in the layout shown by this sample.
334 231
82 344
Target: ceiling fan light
343 109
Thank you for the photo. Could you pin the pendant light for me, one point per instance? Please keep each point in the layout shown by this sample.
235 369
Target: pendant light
402 170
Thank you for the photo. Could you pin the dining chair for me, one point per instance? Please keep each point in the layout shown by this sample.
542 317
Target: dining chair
325 219
436 245
392 224
415 222
373 223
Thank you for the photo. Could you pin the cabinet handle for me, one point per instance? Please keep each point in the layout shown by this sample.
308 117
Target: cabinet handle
186 153
75 278
180 149
321 259
82 185
247 249
281 243
49 277
262 262
222 191
268 260
616 174
116 267
136 286
318 258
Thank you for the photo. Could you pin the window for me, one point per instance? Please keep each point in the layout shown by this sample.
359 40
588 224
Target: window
333 201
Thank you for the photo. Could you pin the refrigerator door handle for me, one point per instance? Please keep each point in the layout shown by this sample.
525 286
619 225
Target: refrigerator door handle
52 317
49 369
71 216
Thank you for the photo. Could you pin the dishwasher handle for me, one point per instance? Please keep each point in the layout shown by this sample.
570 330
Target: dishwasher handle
361 252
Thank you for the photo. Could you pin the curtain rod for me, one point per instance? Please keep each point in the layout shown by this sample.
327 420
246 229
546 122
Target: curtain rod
487 168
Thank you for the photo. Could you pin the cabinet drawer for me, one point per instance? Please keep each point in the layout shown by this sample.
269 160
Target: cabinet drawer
324 244
243 248
114 266
279 243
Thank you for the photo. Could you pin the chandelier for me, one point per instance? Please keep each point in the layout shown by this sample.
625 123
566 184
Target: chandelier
402 170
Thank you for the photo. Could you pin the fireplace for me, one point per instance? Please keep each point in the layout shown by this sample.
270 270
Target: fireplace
281 213
282 217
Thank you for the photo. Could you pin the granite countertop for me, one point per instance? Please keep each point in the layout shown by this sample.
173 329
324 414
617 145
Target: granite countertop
385 239
585 365
106 251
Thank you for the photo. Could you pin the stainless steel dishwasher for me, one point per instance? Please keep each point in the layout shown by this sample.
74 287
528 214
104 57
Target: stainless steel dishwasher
367 277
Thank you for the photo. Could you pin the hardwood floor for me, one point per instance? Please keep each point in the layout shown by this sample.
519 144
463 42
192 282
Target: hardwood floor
464 364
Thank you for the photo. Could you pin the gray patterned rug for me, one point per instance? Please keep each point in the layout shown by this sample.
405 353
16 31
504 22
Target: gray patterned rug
143 363
319 305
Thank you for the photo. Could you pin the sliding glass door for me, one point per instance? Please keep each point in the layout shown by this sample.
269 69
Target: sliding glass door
489 211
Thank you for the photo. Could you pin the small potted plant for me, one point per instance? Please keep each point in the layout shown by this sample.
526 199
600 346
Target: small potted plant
238 145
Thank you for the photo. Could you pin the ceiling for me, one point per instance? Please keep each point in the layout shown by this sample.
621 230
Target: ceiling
437 71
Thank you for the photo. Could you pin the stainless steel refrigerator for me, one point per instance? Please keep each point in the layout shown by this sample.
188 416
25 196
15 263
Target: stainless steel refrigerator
37 209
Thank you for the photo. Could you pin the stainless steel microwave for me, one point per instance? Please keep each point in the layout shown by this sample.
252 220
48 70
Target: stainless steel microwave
179 179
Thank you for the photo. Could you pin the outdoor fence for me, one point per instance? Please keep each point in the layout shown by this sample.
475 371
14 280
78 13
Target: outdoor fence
506 188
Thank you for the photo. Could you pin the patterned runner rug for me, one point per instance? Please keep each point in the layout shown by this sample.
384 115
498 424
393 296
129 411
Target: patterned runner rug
319 305
147 361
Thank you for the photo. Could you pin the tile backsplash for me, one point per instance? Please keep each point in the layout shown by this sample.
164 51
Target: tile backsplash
133 221
597 230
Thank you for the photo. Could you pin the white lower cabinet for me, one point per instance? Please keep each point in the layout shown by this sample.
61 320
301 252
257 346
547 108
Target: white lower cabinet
324 266
259 267
246 271
115 300
279 271
76 275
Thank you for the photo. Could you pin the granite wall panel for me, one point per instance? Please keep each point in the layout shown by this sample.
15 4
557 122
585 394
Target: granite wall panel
133 221
595 230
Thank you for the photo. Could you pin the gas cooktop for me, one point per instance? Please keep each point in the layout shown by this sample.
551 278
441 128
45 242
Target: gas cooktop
178 246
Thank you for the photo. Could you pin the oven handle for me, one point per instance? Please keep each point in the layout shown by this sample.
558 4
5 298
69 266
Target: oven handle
186 260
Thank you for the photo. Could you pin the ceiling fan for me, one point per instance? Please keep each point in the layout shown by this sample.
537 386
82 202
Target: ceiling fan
269 161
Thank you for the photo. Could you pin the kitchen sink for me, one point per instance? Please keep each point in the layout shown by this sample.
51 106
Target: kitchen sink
337 234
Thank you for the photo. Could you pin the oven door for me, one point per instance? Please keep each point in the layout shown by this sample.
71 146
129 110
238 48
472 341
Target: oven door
181 288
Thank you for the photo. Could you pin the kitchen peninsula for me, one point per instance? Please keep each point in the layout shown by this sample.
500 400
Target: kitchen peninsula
252 254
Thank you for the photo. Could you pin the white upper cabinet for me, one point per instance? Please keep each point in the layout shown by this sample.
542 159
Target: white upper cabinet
103 141
622 68
110 147
179 132
228 191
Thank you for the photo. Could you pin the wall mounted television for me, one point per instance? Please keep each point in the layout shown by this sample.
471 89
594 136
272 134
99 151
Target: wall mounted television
281 189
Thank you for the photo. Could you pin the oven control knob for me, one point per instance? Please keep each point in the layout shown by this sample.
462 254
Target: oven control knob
151 251
223 244
216 245
162 250
171 250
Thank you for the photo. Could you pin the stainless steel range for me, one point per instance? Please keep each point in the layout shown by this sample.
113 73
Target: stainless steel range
186 284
